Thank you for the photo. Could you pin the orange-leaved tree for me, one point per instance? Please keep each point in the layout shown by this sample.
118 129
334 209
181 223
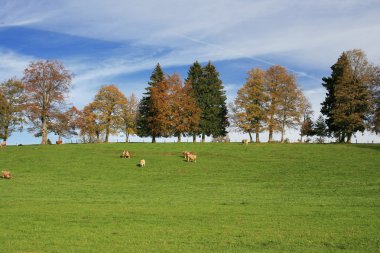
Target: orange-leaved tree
47 84
108 105
130 110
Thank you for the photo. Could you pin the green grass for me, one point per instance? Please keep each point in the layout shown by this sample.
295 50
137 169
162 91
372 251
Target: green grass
235 198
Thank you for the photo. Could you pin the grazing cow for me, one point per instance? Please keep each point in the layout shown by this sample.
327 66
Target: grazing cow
142 163
187 153
191 158
58 142
6 174
125 154
245 141
3 144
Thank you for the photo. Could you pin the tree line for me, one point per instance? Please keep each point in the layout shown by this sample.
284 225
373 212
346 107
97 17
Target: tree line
270 100
167 108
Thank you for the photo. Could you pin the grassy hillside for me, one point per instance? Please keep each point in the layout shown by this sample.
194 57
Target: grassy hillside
235 198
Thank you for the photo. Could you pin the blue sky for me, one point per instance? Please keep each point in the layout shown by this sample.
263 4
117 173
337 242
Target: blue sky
120 42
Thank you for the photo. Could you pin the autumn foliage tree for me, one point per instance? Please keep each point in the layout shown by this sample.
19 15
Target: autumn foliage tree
89 125
251 104
129 116
108 105
186 111
46 85
64 124
12 107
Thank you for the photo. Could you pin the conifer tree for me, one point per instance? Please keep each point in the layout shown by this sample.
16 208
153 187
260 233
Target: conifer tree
195 79
348 98
212 102
145 127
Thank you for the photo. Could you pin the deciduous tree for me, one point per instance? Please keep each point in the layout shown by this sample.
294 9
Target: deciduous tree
46 83
184 108
65 124
12 107
251 104
108 104
130 111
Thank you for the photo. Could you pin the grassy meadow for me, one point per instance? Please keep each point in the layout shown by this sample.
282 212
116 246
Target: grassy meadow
235 198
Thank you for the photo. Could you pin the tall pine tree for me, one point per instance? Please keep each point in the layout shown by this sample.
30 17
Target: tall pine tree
214 120
145 127
195 79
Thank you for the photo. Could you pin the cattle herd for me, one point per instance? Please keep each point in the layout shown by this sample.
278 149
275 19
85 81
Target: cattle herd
189 156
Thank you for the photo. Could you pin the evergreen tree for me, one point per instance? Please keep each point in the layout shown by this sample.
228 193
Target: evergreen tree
195 79
320 129
212 102
145 127
348 98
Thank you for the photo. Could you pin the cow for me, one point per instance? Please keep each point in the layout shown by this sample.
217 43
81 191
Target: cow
142 163
245 142
58 142
3 144
125 154
187 153
191 158
6 174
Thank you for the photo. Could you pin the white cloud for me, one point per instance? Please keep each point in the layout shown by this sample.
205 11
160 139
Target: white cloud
313 32
12 64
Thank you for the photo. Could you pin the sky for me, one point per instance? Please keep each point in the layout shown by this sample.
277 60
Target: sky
120 42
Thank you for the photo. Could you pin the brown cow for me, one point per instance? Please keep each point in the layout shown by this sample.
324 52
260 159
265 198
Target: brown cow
125 154
6 174
3 144
58 142
187 153
191 158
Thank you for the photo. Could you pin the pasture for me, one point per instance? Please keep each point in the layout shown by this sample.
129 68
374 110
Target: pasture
235 198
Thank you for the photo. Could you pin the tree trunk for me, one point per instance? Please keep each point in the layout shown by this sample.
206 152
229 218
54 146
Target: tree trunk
349 135
301 137
283 130
6 132
126 137
195 138
203 137
44 131
107 134
257 131
270 138
179 138
153 139
250 136
97 136
342 137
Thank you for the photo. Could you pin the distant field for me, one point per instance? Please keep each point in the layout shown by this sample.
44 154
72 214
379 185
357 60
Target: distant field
235 198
